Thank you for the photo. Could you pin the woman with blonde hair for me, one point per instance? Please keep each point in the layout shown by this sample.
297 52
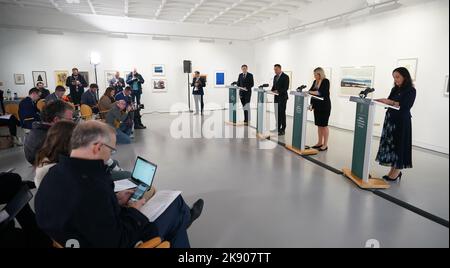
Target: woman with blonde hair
322 109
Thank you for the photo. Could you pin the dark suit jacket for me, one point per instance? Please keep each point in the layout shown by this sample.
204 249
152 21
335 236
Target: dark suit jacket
324 92
282 86
76 200
247 83
200 88
77 91
28 113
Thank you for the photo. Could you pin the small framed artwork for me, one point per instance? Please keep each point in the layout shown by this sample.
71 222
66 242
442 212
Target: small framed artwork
289 73
85 75
109 75
220 79
19 79
356 79
410 64
61 77
159 70
446 86
2 84
39 76
159 85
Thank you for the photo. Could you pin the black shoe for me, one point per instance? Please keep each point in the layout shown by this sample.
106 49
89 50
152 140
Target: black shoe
323 150
399 178
143 127
317 147
307 147
196 211
281 133
139 127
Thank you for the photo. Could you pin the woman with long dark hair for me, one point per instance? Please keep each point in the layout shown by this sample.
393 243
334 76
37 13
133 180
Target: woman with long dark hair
396 140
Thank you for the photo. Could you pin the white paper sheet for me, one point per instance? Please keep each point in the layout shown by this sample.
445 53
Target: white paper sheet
7 116
158 204
123 185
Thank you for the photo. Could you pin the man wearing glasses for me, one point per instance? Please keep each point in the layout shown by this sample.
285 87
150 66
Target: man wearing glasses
76 200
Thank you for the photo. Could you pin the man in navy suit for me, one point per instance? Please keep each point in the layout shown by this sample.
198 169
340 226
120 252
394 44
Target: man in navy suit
246 80
28 112
280 87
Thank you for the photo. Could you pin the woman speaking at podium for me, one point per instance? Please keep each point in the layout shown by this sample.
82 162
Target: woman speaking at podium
322 109
396 140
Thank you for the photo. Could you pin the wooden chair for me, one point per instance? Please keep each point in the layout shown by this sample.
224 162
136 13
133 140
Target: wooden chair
152 243
86 112
12 109
40 105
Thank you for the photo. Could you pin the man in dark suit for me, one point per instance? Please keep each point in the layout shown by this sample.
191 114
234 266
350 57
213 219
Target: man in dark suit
118 83
28 112
246 80
198 85
76 84
281 87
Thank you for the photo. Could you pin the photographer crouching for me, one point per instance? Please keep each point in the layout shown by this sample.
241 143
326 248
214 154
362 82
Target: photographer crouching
135 114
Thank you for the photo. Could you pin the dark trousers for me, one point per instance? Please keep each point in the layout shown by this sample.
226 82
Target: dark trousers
280 112
173 222
12 124
75 96
246 99
137 118
136 95
29 235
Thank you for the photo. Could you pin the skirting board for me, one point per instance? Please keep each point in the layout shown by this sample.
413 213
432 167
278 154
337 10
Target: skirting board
372 184
239 124
300 152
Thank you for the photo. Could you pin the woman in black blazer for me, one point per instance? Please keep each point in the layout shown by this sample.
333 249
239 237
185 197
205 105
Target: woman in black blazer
396 140
322 109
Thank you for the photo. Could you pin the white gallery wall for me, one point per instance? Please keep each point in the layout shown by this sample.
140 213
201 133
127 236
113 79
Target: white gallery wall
419 31
23 51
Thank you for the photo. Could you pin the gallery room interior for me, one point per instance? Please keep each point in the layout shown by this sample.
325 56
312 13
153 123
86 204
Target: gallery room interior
228 123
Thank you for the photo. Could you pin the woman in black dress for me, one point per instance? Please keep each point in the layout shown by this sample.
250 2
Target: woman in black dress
396 140
322 109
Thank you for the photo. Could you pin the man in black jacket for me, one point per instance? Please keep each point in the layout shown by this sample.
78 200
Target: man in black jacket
76 84
246 80
280 87
76 203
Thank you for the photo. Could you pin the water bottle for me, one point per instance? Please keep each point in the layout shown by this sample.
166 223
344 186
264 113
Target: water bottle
8 94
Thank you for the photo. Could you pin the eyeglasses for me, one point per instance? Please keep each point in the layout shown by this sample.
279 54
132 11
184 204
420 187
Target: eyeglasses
113 150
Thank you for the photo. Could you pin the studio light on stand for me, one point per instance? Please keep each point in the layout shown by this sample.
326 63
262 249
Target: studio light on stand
95 60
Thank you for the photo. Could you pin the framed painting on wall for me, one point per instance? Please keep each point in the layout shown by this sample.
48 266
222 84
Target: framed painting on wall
61 78
19 79
159 85
356 79
159 70
220 79
410 64
39 76
289 73
85 75
109 75
446 86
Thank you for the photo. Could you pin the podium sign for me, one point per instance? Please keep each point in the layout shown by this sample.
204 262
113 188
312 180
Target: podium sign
362 146
300 117
363 137
261 106
300 121
233 106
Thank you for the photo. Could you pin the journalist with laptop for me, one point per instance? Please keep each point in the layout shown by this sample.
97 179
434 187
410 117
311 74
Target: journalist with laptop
76 200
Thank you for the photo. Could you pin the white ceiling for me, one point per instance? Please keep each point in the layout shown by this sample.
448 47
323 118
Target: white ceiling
216 12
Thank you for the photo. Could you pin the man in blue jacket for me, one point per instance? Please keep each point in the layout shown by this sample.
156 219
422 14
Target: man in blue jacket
135 80
28 112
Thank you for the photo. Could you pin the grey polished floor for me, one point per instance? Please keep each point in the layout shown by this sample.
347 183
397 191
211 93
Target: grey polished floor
257 195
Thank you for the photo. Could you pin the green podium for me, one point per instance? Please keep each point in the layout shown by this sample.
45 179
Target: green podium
362 145
300 123
232 109
262 117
